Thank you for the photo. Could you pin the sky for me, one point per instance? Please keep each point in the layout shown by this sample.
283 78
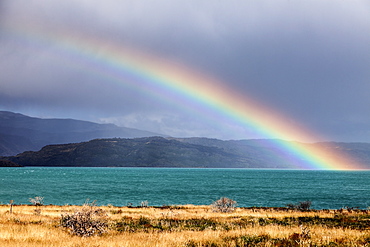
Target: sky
306 61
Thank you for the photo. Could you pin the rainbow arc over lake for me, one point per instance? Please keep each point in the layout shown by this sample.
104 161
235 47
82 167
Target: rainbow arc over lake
190 90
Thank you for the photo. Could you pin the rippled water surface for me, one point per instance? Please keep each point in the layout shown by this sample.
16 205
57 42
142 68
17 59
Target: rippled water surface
166 186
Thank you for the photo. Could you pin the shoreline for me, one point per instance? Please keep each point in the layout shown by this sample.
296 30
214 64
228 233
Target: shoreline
287 208
187 206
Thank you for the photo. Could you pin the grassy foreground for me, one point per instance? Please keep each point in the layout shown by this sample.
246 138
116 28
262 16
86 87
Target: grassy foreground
187 226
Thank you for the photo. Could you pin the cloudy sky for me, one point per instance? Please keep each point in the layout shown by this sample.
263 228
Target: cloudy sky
309 60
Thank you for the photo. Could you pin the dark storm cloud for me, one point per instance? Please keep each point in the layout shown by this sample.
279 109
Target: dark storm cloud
309 59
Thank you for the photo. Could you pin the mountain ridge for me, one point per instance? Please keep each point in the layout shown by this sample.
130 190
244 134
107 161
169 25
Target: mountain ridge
173 152
30 141
19 133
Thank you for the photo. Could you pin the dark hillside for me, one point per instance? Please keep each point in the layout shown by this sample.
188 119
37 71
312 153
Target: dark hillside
173 152
139 152
7 163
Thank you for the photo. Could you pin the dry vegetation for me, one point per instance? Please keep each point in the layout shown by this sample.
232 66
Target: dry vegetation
186 226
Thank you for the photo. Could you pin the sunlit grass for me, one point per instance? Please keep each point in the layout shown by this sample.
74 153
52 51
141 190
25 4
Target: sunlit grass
188 226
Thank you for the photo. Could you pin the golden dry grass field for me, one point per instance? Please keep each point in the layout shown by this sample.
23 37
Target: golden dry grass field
186 226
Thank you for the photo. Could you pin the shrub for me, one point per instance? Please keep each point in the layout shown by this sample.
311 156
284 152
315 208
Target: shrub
144 204
86 222
224 205
302 206
37 201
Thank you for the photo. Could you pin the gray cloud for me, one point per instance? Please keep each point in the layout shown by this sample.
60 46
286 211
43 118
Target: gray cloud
309 59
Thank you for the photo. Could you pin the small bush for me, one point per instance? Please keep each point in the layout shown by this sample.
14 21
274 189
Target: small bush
144 204
224 205
37 201
86 222
302 206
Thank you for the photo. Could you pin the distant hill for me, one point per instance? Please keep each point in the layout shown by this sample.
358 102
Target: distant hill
7 163
171 152
19 133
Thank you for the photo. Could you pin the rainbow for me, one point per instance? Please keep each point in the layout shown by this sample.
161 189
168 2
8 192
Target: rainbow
187 88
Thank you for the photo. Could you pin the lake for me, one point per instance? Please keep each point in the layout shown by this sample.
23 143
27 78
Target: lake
178 186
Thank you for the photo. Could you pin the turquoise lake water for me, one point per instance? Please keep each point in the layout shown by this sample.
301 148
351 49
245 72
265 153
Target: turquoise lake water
167 186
